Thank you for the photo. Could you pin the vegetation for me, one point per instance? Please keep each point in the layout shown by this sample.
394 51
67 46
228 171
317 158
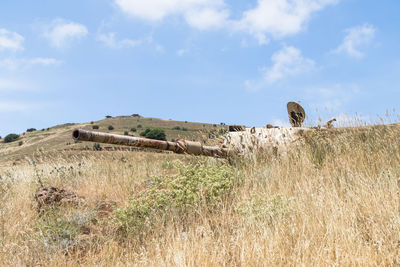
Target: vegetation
95 127
332 200
110 127
31 130
154 133
133 129
96 147
11 138
126 133
194 187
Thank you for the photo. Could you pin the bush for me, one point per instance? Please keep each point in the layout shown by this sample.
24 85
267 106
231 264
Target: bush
108 116
194 187
139 126
184 129
95 127
126 133
154 133
133 129
31 130
176 128
11 138
20 143
96 147
110 127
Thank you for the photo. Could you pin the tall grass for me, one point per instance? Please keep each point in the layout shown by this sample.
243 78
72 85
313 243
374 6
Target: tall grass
332 200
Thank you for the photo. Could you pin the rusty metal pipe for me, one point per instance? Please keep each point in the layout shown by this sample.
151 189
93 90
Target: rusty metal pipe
179 147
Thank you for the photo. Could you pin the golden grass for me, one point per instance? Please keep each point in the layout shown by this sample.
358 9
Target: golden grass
334 200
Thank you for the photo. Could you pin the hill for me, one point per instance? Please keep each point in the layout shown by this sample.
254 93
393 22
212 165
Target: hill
333 200
58 138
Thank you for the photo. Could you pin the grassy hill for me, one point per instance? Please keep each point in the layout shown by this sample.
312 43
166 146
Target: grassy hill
58 138
333 200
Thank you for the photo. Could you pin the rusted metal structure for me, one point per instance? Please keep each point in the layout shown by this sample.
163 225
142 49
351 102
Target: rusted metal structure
179 147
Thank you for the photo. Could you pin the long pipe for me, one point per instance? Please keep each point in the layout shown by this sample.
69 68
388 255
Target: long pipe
179 147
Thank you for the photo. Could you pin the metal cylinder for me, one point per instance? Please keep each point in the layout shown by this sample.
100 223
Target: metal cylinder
180 146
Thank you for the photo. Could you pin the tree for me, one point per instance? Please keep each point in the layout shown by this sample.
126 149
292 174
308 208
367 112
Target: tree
154 133
11 138
110 127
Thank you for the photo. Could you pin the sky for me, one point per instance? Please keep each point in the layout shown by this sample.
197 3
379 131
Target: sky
231 61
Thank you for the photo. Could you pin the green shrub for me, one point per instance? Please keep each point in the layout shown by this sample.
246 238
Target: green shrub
20 143
110 127
61 229
126 133
11 138
154 133
139 126
133 129
96 147
195 186
95 127
31 130
184 129
176 128
108 116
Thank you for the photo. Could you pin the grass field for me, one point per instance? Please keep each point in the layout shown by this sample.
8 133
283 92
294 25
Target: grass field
333 200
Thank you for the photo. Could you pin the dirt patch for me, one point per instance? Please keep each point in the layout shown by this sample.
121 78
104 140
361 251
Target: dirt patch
53 196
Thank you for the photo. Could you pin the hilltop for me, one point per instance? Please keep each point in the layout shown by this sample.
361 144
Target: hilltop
58 138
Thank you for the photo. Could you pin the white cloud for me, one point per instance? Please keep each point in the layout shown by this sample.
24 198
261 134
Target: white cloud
11 85
10 40
270 18
287 62
61 33
207 18
110 41
13 106
181 52
21 64
356 37
331 98
201 14
279 18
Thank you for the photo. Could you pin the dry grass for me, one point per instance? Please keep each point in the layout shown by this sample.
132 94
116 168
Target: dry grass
332 201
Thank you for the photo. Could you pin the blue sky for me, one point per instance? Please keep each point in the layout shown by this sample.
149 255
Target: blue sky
230 61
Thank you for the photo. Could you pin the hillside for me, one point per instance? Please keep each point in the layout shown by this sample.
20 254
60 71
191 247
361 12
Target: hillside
333 200
58 138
